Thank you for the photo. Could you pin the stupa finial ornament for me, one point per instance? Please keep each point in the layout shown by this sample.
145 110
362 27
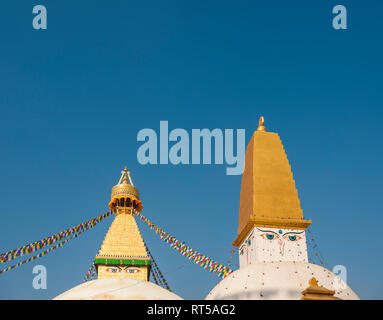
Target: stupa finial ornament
313 282
261 123
125 177
123 190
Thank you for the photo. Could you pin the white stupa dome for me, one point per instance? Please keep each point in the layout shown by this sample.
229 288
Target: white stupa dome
277 281
117 289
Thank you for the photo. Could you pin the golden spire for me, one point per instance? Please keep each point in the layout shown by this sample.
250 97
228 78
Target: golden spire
123 252
268 194
261 123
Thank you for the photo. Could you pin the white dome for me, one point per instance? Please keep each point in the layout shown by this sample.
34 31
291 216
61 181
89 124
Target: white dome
117 289
277 281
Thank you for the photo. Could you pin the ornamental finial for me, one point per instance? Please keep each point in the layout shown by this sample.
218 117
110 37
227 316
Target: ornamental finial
261 123
125 189
313 282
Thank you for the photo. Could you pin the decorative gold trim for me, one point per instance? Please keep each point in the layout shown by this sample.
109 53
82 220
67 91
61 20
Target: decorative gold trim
117 257
271 223
125 189
139 203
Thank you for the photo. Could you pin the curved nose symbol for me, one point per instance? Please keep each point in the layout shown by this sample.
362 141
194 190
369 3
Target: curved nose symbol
281 246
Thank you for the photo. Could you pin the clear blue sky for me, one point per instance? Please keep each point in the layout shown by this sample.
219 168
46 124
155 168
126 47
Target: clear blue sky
74 96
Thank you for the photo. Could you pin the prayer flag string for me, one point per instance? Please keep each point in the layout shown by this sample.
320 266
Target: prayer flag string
41 254
159 278
37 245
315 248
193 255
90 274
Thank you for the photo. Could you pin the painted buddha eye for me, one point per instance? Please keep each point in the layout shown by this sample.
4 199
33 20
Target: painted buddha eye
293 238
113 270
132 270
268 236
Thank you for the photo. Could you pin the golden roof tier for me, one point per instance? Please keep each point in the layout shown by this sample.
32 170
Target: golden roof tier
125 194
268 194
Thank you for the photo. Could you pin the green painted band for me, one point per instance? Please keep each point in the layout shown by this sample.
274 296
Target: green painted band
130 262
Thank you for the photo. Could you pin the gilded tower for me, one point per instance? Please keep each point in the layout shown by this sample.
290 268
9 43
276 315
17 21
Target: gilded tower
123 253
269 205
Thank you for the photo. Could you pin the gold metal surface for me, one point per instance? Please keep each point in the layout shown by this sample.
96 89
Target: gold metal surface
125 189
261 123
125 186
268 193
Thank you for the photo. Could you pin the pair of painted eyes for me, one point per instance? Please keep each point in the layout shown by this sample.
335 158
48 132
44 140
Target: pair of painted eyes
113 270
270 236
